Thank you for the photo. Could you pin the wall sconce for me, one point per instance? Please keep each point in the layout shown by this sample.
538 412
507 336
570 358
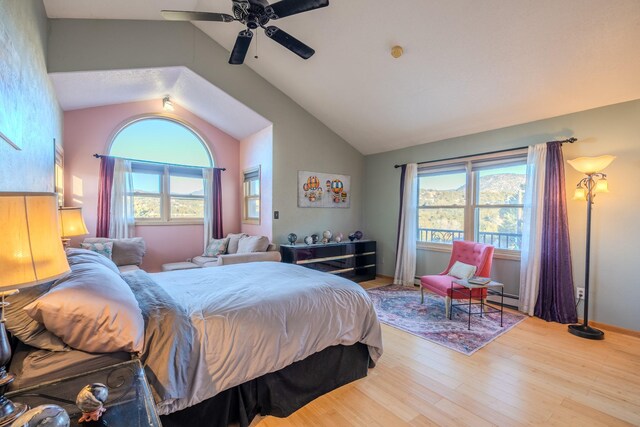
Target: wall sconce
594 182
167 104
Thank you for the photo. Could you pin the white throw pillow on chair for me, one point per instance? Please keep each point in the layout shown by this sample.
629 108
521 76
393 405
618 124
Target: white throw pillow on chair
462 270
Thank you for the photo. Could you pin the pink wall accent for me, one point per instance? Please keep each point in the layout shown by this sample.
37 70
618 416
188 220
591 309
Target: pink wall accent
90 130
257 150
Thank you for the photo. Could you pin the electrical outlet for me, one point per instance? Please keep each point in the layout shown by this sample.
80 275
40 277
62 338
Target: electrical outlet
579 293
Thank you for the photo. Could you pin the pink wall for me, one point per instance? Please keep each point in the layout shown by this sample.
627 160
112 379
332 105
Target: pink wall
90 130
257 150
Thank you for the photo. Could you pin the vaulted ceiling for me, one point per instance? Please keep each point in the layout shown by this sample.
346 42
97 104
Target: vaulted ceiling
468 65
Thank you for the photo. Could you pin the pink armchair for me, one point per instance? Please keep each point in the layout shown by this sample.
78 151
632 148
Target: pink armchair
471 253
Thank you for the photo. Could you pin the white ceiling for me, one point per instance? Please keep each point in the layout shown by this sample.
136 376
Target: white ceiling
96 88
469 65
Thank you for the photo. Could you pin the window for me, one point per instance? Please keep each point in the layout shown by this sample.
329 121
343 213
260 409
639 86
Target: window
251 189
480 199
168 186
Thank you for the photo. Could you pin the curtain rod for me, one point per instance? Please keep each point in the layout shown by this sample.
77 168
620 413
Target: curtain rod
564 141
99 156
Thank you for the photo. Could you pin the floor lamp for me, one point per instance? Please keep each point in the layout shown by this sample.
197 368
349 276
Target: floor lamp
594 182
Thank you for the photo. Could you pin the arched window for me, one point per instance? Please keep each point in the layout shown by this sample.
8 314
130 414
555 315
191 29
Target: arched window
167 178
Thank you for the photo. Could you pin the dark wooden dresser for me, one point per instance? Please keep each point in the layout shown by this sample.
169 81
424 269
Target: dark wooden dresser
353 260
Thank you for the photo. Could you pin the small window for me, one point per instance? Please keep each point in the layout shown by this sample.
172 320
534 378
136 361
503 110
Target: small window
441 205
168 186
251 188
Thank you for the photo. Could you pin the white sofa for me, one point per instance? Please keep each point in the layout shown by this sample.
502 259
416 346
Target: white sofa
232 256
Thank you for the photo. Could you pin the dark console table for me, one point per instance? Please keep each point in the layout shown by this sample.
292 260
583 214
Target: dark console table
352 260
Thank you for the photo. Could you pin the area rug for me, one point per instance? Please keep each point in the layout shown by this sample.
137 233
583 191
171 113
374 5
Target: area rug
400 307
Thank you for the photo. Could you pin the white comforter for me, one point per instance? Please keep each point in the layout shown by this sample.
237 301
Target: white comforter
252 319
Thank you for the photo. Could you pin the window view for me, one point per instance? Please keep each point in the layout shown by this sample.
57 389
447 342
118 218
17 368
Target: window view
490 213
499 206
252 196
164 191
441 205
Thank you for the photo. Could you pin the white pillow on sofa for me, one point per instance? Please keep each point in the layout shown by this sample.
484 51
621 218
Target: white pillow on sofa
250 244
462 270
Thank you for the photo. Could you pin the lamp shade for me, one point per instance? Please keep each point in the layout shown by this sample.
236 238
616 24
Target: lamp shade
580 194
72 223
591 165
31 251
602 186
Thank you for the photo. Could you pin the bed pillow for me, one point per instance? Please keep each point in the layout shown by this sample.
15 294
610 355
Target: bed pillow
249 244
77 256
105 249
216 247
462 270
234 239
93 310
23 327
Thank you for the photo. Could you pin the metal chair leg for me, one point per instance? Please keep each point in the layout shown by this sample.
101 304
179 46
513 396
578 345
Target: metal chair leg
421 295
447 302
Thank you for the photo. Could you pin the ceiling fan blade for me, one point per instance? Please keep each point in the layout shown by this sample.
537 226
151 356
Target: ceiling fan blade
241 47
290 42
291 7
183 15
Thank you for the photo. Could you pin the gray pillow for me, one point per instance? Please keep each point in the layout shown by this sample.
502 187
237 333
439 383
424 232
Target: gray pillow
249 244
232 247
23 327
125 251
77 256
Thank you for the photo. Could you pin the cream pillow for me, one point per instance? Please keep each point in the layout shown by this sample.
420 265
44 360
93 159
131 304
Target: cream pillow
93 310
462 270
232 247
250 244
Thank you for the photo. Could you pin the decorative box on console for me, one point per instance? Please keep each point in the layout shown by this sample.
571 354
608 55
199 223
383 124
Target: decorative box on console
353 260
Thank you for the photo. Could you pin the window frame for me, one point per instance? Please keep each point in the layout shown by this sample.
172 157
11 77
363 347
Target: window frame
165 173
141 164
253 173
471 206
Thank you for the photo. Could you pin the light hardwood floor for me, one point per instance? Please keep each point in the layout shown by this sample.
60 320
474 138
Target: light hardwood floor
536 374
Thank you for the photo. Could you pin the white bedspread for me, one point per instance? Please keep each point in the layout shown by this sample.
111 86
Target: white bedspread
252 319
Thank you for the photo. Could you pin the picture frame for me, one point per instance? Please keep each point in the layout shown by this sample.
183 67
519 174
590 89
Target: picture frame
324 190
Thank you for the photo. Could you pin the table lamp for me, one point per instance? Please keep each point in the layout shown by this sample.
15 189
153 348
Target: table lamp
31 253
594 182
71 224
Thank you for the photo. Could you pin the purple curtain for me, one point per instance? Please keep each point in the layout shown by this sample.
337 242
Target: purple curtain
104 196
217 204
402 179
555 297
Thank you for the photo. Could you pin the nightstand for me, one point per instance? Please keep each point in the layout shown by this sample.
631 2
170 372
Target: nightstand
130 403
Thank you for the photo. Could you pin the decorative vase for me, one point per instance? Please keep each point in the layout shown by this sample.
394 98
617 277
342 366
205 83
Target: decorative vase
91 400
315 238
358 235
43 415
292 237
327 235
338 237
308 240
352 236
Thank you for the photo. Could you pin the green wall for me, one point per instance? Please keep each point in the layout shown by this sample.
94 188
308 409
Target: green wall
300 141
608 130
29 111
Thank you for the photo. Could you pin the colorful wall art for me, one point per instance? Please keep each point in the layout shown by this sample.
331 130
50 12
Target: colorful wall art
323 190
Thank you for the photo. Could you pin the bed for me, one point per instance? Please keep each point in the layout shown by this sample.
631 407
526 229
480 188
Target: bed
226 344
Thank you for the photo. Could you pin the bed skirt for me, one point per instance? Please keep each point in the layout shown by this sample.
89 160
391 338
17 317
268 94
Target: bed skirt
279 393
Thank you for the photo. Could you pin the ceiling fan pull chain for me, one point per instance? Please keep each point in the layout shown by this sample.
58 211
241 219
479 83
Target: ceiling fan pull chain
257 37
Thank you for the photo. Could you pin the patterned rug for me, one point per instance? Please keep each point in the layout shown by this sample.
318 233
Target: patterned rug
400 307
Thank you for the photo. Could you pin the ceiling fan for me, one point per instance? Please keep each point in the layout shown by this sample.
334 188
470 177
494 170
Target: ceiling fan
254 14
